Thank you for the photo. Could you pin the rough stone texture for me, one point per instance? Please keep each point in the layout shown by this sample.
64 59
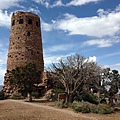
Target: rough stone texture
25 44
25 41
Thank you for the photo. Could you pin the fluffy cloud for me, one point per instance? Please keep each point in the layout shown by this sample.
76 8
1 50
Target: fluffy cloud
80 2
107 23
45 26
46 3
61 47
33 10
57 3
5 4
3 52
102 42
48 58
5 18
92 59
2 73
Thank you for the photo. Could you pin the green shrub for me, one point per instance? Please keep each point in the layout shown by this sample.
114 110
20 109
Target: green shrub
103 101
17 96
89 98
61 104
76 107
86 107
35 94
85 110
66 105
1 95
104 109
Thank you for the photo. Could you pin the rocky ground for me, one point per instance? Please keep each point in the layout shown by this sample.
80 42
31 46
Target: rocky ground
20 110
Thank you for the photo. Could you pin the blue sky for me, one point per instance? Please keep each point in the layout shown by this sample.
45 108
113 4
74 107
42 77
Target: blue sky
87 27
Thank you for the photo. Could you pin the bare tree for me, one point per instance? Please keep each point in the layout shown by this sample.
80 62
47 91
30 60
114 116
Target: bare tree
75 72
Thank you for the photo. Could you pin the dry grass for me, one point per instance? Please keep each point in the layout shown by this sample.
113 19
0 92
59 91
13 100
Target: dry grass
20 110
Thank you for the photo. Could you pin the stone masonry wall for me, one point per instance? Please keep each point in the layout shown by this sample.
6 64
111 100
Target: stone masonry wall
25 43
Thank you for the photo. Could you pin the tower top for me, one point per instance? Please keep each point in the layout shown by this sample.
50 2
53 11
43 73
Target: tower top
24 13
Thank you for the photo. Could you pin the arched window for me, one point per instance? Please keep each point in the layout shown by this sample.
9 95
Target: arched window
28 33
21 21
37 24
29 21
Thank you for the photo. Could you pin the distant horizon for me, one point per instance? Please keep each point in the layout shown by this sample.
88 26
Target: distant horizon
88 27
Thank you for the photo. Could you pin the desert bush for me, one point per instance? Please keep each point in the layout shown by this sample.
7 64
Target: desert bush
81 107
61 104
17 96
86 107
1 95
35 94
76 107
88 97
103 101
66 105
104 109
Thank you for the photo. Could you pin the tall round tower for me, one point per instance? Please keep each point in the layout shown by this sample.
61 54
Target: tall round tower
25 41
25 45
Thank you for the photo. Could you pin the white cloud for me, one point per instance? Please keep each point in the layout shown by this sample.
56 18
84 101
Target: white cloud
57 3
105 24
46 3
45 26
49 59
102 42
80 2
33 10
92 59
3 58
5 4
62 47
2 73
5 18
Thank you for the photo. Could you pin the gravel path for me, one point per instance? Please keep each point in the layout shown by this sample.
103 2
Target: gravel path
20 110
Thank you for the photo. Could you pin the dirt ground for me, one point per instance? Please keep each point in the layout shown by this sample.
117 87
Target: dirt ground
21 110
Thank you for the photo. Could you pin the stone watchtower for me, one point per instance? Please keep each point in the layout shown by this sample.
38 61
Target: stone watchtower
25 44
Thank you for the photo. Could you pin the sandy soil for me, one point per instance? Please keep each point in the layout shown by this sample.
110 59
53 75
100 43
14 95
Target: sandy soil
20 110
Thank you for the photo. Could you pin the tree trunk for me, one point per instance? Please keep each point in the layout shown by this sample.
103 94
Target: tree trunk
69 98
30 97
111 101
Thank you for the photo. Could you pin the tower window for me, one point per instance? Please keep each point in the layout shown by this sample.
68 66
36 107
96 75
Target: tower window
28 34
37 24
13 22
38 52
21 21
29 21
